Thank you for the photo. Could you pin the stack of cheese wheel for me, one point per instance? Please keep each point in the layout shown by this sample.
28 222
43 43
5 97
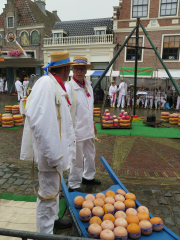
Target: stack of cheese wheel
15 109
179 121
8 109
7 121
97 112
165 116
173 118
18 120
124 123
108 219
107 120
0 118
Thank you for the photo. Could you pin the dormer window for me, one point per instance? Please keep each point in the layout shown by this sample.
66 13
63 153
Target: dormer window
100 30
58 33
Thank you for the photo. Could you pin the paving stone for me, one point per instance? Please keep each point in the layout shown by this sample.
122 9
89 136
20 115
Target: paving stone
28 182
156 211
6 185
12 189
155 189
16 175
139 195
7 175
161 200
147 193
175 230
176 210
2 181
22 187
168 220
2 174
177 197
19 181
171 201
11 180
14 169
25 176
177 220
153 202
6 170
18 193
165 210
175 192
167 193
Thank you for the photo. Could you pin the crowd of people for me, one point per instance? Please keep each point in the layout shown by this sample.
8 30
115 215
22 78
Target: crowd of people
158 98
21 88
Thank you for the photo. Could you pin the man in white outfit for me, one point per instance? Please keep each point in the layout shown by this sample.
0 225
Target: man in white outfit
1 84
81 97
19 89
49 138
163 98
25 86
122 93
112 93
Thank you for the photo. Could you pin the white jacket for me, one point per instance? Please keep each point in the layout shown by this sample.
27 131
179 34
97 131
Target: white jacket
122 88
83 123
41 131
18 86
112 90
25 84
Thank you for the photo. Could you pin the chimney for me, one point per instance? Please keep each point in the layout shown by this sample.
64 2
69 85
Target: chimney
54 12
42 5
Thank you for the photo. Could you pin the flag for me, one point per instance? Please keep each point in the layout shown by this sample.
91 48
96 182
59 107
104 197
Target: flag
21 49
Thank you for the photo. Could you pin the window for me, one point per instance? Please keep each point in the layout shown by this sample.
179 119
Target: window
171 48
10 22
100 32
131 52
57 35
140 8
169 7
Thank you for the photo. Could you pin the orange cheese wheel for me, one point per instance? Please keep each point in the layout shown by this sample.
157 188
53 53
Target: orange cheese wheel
131 211
119 206
129 203
119 197
109 217
95 219
146 227
18 124
132 219
122 192
130 196
120 214
85 214
88 204
90 197
107 224
157 223
107 235
134 230
142 209
143 216
100 195
110 200
98 211
78 201
110 193
7 126
120 233
108 208
120 222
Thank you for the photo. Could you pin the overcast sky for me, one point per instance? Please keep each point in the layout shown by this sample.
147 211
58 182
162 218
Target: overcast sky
78 9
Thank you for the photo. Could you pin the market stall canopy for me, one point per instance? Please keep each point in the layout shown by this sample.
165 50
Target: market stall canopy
98 73
112 74
174 73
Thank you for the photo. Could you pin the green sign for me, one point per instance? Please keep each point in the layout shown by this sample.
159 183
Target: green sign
141 71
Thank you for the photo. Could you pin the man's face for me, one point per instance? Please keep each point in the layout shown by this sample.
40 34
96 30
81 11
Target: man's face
79 72
67 72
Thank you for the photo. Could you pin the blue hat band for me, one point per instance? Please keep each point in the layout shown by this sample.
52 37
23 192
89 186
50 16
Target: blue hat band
52 64
80 61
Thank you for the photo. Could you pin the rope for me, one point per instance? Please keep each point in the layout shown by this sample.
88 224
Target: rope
59 117
51 197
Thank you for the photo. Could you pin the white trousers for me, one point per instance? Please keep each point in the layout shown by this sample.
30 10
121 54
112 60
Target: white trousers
156 102
25 91
132 101
121 99
163 102
85 150
128 101
20 95
1 88
138 101
47 210
113 103
178 103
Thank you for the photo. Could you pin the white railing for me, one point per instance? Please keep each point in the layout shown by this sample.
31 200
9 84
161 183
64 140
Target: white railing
79 40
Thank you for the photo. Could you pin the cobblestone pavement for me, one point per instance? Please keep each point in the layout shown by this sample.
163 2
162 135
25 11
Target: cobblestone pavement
148 167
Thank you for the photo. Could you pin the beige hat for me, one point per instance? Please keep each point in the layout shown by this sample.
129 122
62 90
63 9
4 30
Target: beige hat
58 59
81 61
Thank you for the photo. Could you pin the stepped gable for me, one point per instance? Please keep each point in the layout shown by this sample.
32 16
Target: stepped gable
84 27
1 21
30 14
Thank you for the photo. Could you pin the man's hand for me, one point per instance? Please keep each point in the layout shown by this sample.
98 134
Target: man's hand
95 129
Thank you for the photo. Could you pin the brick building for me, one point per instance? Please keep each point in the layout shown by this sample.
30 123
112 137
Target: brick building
161 19
27 23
